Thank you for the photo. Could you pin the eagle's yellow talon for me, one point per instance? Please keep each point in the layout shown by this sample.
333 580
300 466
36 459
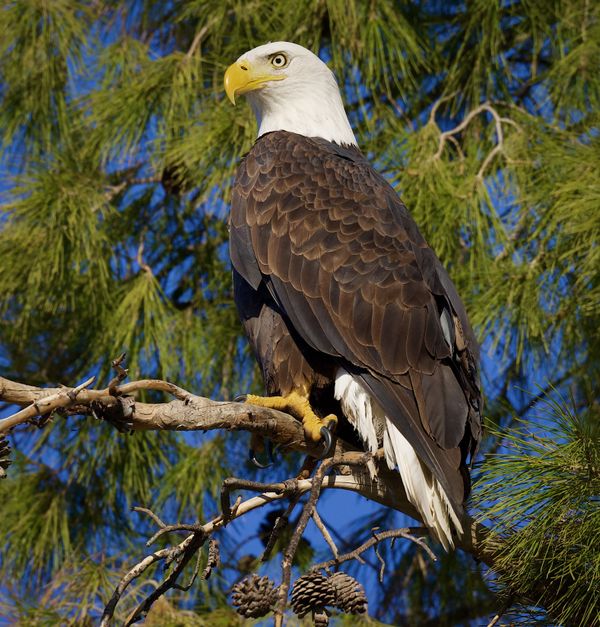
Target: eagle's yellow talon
299 406
313 425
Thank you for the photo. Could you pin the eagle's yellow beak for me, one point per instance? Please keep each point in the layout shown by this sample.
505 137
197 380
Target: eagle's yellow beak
241 77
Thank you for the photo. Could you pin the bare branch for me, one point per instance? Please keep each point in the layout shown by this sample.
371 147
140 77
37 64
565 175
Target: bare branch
280 524
188 413
362 473
135 572
198 39
325 533
450 134
63 397
151 514
507 603
350 459
232 483
408 533
292 489
381 561
436 106
194 542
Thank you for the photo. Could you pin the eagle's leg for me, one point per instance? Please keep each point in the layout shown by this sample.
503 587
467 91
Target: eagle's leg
299 405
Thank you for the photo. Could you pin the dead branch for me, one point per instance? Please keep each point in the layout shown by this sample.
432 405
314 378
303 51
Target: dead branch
136 572
290 552
194 542
185 550
325 533
182 553
359 472
449 135
189 412
408 533
43 405
280 524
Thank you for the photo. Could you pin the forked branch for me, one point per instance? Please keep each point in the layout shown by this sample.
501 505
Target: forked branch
359 472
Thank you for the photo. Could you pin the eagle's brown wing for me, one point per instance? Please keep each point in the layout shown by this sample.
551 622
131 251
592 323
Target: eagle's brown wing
346 264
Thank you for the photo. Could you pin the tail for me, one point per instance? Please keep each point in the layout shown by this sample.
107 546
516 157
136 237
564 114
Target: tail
423 490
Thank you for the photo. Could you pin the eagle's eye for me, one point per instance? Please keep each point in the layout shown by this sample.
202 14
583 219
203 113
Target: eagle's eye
279 60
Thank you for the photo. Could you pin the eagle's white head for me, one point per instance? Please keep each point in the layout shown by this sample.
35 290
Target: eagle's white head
290 89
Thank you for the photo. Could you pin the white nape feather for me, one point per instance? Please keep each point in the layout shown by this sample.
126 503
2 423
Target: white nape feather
422 488
307 101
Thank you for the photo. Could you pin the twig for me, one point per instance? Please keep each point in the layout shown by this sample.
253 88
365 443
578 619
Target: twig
290 552
186 586
436 106
233 483
121 374
502 611
64 398
158 385
140 259
280 524
408 533
170 529
325 533
449 135
135 572
181 549
379 557
494 620
309 507
457 129
198 39
196 540
150 513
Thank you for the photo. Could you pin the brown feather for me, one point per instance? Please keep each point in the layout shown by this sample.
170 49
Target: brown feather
332 271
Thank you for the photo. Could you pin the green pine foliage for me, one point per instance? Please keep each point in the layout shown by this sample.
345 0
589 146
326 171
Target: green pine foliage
117 151
548 513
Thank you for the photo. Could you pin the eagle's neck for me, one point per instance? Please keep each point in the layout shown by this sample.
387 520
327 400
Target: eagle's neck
303 109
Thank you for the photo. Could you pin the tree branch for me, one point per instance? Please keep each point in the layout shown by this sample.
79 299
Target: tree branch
363 473
325 533
450 134
189 412
407 533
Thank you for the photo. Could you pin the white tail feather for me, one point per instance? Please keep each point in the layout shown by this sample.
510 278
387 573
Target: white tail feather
422 488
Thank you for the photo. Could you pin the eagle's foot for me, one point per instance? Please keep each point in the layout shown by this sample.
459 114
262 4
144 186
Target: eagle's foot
315 428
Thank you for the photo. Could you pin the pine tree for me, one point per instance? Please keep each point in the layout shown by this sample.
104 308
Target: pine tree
118 150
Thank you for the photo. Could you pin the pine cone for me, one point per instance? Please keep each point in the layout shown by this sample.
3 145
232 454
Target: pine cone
254 596
312 591
5 461
321 619
349 594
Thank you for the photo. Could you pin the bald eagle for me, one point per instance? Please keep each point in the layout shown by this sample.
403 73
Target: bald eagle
347 308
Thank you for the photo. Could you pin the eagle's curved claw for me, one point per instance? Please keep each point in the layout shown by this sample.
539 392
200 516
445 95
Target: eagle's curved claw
240 398
327 439
270 455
